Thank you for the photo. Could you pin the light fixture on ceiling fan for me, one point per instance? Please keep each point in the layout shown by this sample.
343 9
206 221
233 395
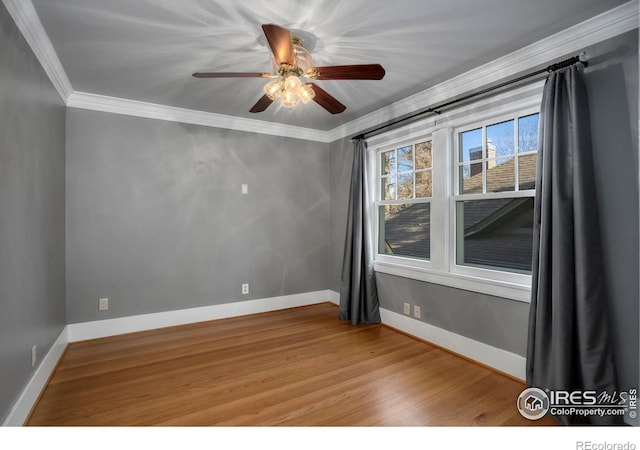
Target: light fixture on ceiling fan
289 88
291 62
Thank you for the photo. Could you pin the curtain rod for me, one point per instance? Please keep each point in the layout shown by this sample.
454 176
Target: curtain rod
582 58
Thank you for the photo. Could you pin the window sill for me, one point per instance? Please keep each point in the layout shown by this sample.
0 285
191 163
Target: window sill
514 291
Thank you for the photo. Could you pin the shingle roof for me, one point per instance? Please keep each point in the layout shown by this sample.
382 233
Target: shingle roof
501 177
497 231
407 231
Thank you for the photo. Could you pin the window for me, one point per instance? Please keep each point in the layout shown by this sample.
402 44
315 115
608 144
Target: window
496 168
404 210
453 196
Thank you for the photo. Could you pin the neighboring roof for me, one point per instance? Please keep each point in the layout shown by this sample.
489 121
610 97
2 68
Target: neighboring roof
503 237
501 177
407 231
497 231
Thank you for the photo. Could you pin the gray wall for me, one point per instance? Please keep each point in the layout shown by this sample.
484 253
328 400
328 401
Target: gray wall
613 88
32 145
496 321
156 220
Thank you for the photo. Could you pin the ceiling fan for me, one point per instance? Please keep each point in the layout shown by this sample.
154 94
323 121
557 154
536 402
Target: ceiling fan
291 62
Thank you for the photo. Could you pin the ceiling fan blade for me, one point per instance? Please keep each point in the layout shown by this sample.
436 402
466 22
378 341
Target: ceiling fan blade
261 105
280 42
326 100
353 72
231 75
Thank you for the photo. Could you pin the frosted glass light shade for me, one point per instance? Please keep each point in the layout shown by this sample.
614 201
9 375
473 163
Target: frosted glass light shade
273 88
289 99
306 94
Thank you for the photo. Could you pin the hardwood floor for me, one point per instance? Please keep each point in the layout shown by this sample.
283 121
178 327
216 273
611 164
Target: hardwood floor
293 367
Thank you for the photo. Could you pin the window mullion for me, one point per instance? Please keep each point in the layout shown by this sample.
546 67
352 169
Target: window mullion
516 152
484 160
413 171
441 170
395 173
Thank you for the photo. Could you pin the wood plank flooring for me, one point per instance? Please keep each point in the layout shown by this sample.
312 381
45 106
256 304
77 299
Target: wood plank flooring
296 367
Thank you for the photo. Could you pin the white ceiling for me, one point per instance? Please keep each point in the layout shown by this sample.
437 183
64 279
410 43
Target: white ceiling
146 50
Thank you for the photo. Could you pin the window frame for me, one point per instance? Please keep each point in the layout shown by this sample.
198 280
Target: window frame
378 201
441 130
455 197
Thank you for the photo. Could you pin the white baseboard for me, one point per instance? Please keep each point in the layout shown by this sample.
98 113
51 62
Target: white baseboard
334 297
131 324
502 360
499 359
22 407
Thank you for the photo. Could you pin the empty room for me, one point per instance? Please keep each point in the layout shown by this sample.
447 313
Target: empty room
332 213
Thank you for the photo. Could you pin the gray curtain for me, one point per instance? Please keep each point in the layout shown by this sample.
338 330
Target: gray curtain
358 293
569 345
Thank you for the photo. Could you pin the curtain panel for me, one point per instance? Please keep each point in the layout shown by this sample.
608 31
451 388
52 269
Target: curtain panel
358 293
569 346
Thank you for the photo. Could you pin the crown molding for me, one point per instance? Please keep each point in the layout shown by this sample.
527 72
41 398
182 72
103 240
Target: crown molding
26 18
95 102
599 28
607 25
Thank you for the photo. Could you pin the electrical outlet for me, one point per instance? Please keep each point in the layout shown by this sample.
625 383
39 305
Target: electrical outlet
34 355
103 304
244 188
407 309
245 288
416 311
